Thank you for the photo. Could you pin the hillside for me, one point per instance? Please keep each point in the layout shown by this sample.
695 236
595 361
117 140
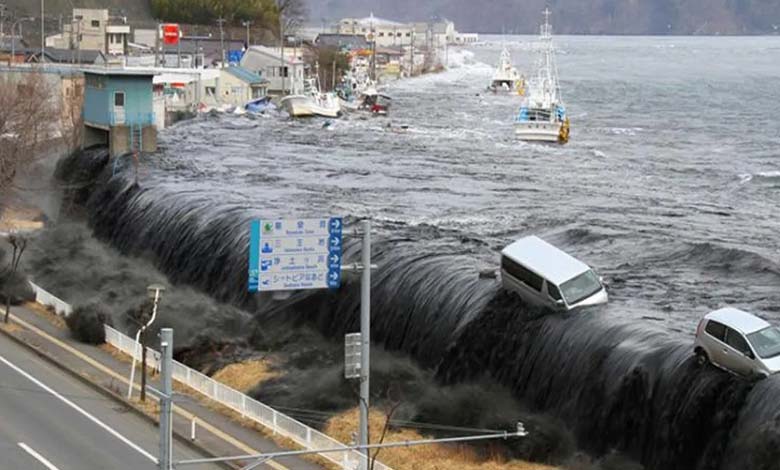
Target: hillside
573 16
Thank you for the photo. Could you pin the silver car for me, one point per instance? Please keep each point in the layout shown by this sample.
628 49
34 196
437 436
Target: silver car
738 342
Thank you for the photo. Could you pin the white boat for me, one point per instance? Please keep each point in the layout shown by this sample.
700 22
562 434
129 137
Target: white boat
506 78
312 102
542 117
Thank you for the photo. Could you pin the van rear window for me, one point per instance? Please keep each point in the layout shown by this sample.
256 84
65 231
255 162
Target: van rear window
522 274
716 330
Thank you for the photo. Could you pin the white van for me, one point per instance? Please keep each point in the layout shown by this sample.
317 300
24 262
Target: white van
546 276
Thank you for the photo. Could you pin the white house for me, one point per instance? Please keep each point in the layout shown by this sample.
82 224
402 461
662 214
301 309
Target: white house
93 29
285 76
387 33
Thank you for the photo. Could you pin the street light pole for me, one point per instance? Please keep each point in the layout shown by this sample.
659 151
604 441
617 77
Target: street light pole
155 291
221 22
166 424
247 24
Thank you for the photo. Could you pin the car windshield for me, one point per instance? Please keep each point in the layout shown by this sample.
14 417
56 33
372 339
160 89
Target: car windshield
766 342
581 287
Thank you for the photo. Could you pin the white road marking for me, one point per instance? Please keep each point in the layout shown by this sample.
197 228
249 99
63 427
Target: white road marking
38 457
80 410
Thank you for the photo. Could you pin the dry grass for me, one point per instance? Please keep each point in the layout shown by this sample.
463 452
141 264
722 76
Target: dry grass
244 376
46 313
8 327
21 219
427 457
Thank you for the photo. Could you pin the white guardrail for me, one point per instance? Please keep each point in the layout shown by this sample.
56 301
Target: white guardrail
44 298
248 407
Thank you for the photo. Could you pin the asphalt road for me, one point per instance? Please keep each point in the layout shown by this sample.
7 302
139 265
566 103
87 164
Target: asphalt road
51 421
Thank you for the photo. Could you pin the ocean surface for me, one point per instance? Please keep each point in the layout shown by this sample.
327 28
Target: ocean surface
669 186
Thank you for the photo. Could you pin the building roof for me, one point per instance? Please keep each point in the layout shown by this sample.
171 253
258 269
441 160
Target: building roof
250 57
545 259
738 319
351 41
121 72
67 56
246 76
17 44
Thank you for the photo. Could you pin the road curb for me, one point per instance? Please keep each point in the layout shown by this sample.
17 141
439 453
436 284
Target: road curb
108 393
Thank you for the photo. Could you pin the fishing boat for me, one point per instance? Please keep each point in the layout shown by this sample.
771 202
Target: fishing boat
506 78
312 102
260 105
542 117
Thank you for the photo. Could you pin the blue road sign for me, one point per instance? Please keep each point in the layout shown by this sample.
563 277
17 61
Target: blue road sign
295 254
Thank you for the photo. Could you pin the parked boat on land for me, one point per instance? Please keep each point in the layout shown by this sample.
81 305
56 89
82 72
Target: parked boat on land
312 102
542 117
506 78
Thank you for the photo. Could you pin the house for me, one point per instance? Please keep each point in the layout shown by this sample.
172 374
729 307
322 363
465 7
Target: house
93 29
119 110
344 42
386 33
69 56
237 86
14 50
284 75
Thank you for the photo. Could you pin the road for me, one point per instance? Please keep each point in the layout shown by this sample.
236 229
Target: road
52 421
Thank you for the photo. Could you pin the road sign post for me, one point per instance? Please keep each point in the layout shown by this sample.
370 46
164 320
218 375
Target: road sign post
166 400
295 254
365 336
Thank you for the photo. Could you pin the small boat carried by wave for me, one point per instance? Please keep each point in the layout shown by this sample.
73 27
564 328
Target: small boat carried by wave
542 117
506 78
260 105
312 102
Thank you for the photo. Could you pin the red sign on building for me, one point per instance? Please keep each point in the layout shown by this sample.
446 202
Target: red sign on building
171 34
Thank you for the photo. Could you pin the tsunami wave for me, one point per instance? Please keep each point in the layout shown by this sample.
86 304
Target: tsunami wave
619 385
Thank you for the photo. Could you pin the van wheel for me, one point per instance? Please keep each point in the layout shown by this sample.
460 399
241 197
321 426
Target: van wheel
701 358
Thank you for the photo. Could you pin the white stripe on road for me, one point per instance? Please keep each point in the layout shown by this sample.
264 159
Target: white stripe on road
80 410
38 457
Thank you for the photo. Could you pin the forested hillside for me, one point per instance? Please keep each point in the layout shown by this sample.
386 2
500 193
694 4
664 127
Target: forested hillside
574 16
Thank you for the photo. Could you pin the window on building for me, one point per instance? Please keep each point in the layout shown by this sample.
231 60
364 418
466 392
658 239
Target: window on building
381 34
119 99
408 35
95 23
211 90
399 34
285 72
79 17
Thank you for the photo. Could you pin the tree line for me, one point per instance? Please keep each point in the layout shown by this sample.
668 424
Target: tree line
262 13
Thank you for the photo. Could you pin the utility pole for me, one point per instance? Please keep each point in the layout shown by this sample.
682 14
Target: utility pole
2 21
166 369
221 22
247 24
281 44
43 33
365 336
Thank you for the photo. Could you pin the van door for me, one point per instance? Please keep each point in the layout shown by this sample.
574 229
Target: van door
119 108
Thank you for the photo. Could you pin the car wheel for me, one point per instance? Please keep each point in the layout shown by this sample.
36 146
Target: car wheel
701 358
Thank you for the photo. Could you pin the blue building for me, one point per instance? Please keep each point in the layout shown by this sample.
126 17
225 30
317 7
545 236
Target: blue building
119 110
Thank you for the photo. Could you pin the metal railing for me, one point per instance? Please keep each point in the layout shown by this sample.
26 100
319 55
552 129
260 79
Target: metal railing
44 298
246 406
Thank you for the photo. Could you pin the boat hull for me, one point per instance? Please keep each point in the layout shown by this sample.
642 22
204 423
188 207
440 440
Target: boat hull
332 110
534 131
297 106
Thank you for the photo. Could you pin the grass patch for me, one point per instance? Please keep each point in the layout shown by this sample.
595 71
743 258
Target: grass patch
426 457
246 375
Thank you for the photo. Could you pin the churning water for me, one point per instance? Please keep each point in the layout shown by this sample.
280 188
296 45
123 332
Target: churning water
669 188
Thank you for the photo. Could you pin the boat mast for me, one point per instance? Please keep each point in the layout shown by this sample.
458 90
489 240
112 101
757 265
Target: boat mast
548 69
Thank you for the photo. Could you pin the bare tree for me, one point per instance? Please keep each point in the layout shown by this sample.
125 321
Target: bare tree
292 14
72 121
19 244
26 122
392 402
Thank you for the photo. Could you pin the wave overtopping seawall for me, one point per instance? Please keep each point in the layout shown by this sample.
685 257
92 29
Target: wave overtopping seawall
619 385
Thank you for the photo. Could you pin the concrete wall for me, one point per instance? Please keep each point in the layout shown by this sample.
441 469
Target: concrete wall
119 140
93 136
149 139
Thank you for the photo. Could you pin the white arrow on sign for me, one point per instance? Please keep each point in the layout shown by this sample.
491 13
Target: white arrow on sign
334 258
